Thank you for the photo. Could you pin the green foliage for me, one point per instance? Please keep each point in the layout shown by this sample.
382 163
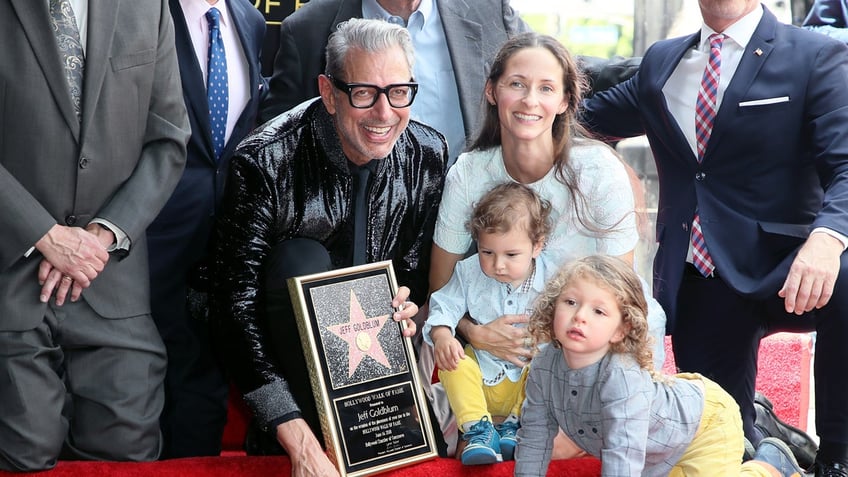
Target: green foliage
602 37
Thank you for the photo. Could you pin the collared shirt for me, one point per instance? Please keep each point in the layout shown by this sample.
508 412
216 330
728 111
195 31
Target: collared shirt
612 409
470 291
237 70
437 102
527 285
681 89
81 14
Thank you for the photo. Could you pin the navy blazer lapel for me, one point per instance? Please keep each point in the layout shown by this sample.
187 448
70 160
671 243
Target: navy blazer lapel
191 77
745 75
668 63
102 21
245 120
34 17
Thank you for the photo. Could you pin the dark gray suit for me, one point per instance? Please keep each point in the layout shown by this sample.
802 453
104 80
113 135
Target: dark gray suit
119 164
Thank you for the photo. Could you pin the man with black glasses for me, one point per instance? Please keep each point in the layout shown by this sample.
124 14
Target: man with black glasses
342 180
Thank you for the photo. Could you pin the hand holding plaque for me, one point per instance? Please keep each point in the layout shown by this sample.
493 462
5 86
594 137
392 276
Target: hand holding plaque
362 365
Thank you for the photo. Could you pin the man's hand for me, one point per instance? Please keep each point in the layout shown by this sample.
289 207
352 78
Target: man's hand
501 338
54 280
308 459
73 257
447 350
406 310
812 275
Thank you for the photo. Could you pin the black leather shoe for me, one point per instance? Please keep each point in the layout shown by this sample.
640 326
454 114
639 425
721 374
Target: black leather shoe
803 447
831 470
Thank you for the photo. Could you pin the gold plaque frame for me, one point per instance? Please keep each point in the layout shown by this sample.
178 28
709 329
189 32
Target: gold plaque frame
372 408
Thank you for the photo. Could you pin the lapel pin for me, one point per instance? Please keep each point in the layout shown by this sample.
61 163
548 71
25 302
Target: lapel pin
758 52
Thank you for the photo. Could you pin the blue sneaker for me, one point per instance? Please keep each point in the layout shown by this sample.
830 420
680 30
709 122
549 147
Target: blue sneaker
483 444
507 432
775 452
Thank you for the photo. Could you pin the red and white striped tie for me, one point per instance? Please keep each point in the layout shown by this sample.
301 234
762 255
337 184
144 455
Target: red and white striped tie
705 111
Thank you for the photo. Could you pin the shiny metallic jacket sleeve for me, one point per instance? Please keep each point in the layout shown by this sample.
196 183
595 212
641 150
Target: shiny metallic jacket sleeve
245 229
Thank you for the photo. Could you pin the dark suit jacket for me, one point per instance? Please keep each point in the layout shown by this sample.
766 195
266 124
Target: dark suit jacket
829 17
120 164
771 172
178 237
474 30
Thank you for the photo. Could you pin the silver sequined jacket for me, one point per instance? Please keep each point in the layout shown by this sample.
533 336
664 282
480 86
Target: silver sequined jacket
289 178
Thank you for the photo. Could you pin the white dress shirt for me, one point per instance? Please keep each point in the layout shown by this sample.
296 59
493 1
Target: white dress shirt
437 102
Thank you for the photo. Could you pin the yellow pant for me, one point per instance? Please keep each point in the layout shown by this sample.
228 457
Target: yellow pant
719 442
471 400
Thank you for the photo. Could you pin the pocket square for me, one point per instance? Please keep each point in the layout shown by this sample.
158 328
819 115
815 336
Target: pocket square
763 102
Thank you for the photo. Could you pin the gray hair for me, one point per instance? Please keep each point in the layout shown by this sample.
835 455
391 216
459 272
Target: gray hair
371 36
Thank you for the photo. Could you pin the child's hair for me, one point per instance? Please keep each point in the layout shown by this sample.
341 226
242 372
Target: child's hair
617 277
510 205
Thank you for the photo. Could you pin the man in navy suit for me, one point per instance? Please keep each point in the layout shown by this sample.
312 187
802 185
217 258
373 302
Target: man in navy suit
770 190
195 390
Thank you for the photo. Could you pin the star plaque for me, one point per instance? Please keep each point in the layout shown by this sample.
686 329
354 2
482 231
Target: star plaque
362 369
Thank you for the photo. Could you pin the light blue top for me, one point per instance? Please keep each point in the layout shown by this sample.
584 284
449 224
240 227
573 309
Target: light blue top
485 299
437 102
602 180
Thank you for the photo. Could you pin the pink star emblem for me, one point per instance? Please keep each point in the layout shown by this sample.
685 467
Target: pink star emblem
361 332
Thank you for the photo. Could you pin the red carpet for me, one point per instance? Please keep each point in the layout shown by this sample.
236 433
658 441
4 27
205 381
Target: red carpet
279 466
784 376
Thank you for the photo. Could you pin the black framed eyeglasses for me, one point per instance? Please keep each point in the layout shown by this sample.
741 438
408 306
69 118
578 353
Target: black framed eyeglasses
363 95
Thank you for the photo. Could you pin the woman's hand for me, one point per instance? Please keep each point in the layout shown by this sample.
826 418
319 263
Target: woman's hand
500 337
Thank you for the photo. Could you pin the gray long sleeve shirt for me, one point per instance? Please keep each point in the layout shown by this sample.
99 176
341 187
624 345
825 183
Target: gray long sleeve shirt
612 409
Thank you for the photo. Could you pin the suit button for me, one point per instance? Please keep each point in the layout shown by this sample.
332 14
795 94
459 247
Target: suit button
700 176
83 162
70 220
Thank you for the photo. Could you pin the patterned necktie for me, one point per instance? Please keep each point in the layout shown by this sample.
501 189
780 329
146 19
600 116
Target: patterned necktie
705 111
67 33
216 82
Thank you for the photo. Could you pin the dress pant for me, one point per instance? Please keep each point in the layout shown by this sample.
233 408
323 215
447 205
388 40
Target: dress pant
718 332
82 386
196 388
292 258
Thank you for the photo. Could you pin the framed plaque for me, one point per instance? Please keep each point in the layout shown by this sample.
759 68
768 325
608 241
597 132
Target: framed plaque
372 409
